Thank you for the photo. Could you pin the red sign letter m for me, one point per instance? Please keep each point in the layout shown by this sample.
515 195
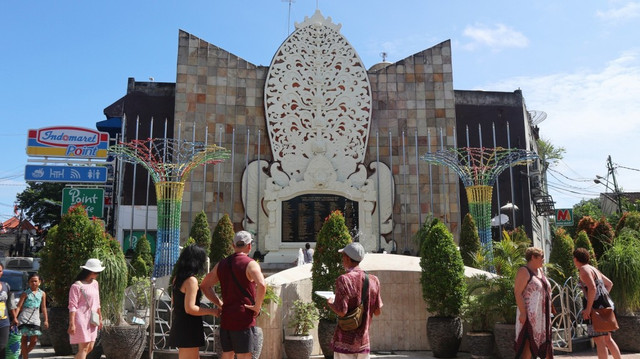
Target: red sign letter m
563 216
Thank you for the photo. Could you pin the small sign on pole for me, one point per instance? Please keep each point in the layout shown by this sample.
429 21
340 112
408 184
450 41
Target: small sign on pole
564 216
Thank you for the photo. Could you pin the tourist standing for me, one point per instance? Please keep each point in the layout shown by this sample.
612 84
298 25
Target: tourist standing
533 316
308 254
84 298
590 279
32 302
187 331
354 344
243 290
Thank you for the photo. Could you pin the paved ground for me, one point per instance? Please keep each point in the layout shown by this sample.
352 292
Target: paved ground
47 352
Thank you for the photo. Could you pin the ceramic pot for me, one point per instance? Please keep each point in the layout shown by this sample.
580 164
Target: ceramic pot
298 346
445 336
480 344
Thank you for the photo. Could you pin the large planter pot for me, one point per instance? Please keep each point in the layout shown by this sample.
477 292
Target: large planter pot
124 341
505 340
58 325
627 336
480 344
326 328
445 335
298 346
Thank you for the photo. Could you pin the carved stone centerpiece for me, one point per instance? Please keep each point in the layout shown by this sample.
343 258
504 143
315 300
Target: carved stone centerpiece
318 105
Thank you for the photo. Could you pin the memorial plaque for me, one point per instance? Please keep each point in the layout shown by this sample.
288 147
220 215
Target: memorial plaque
303 216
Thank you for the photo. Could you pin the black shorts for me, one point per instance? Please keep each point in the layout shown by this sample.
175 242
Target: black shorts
238 341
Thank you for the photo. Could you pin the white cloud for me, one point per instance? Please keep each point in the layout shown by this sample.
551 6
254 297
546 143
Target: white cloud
627 11
497 37
593 113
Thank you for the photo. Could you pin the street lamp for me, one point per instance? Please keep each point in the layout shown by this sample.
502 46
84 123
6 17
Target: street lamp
618 201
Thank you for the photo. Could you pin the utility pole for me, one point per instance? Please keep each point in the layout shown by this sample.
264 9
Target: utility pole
612 172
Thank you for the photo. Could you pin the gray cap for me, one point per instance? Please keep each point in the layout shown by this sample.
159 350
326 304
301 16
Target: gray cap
354 250
242 238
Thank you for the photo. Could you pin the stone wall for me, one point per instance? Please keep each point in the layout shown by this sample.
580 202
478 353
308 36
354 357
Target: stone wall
219 99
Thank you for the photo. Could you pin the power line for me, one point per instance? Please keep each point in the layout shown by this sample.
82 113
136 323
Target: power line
627 168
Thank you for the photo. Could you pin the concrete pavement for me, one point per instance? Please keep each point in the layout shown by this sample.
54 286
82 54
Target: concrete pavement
47 352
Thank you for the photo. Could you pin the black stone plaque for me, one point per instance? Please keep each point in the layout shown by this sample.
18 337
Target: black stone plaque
303 216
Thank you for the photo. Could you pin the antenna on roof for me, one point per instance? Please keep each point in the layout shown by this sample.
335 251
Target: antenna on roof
384 56
289 15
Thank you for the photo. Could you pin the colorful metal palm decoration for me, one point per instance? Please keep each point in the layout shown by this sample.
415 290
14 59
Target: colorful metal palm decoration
478 168
169 162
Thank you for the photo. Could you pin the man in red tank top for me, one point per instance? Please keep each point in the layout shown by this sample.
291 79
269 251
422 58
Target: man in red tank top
243 289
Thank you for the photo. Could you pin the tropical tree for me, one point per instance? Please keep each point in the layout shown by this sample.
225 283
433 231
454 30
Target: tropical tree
469 240
585 208
549 154
327 262
561 256
628 220
442 278
222 240
41 202
582 241
142 260
601 237
200 232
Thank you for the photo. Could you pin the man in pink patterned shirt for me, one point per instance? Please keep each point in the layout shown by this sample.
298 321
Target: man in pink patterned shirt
354 344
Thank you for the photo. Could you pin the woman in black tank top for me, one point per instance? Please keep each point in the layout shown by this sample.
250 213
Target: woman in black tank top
186 332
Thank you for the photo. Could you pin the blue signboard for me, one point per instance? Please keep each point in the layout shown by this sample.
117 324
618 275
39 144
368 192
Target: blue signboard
72 174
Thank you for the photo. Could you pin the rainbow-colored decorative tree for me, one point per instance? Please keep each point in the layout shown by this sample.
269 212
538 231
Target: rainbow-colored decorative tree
478 168
169 162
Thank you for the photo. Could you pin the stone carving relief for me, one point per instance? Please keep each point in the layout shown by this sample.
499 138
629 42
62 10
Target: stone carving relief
318 112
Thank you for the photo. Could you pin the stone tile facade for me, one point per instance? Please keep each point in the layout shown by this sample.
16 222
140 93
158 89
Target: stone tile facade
219 99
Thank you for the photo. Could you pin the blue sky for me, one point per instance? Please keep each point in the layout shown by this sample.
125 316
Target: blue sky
63 62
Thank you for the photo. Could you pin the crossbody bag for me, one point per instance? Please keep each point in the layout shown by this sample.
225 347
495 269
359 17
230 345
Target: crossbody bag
94 319
353 319
242 289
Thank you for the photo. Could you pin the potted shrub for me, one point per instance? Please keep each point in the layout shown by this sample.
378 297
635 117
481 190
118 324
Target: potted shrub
69 245
443 288
221 240
326 268
119 340
302 318
138 297
479 313
200 232
562 257
469 240
621 263
508 257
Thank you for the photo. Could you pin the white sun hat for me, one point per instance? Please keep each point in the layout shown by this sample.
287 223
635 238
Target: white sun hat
94 265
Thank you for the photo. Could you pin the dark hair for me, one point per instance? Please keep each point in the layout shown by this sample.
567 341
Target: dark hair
34 274
190 263
84 273
307 246
582 255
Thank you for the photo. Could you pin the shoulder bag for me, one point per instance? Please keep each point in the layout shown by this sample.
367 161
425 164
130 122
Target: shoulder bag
242 289
94 319
603 318
353 319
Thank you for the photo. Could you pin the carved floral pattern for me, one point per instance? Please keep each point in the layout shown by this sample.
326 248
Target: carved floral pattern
317 100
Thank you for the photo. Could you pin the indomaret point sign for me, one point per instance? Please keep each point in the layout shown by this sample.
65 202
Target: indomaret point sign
67 141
